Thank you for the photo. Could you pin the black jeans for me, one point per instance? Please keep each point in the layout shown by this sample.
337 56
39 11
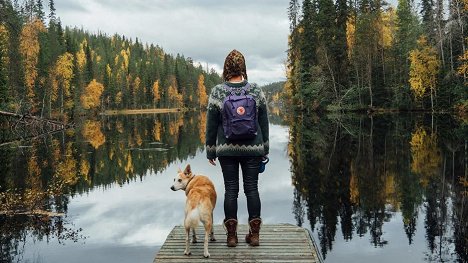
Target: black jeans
249 166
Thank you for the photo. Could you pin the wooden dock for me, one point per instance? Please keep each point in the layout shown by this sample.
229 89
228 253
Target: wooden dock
278 243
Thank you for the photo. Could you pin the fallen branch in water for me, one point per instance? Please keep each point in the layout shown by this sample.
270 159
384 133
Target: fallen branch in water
35 212
26 126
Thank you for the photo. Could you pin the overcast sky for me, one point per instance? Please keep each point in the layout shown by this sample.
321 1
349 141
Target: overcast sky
205 30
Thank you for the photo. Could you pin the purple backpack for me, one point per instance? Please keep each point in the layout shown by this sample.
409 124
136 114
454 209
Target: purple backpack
239 115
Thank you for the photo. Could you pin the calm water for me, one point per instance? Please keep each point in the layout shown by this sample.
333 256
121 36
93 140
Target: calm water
384 188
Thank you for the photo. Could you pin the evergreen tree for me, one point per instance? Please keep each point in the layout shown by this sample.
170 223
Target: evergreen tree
52 15
39 10
427 15
406 36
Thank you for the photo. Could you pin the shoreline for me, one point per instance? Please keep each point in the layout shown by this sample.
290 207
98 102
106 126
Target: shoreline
140 111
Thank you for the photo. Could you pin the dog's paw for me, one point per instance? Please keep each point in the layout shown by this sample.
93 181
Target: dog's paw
194 241
206 255
212 239
187 253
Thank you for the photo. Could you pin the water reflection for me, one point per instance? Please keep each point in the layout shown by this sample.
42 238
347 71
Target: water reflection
356 172
40 177
389 183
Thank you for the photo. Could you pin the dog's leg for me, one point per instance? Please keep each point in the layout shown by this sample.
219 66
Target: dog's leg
208 228
194 236
187 241
212 237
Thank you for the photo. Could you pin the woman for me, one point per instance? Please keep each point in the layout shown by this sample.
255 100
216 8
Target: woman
232 153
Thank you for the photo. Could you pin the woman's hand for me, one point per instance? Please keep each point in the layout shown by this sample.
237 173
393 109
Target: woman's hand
212 161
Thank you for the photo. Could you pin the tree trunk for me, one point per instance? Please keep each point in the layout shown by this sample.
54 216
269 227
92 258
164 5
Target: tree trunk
432 101
369 65
332 75
61 102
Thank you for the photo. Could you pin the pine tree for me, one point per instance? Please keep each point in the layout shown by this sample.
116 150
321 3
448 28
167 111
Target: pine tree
293 14
406 35
39 10
427 15
340 49
52 15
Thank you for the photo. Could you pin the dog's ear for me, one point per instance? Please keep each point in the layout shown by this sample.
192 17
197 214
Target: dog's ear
188 170
178 170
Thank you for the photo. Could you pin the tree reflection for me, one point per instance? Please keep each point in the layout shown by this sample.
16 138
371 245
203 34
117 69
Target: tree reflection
39 178
360 171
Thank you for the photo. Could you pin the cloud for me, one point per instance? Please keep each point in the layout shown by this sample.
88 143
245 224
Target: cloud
205 30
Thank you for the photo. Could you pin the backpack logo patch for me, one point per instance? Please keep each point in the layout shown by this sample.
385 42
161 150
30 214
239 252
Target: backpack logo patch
241 110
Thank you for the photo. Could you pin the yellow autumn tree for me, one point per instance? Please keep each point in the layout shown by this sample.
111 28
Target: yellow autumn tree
67 168
4 42
426 156
156 93
61 75
175 99
157 130
81 55
351 35
202 96
4 62
92 132
463 68
388 27
424 69
135 90
29 50
202 126
91 97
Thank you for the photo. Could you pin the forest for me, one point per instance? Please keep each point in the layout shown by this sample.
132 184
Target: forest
368 55
61 72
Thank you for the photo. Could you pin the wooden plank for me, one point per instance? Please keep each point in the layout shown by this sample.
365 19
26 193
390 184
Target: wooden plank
278 243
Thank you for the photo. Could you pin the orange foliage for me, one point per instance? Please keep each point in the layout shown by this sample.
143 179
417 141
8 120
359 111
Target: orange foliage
67 169
129 166
34 172
203 97
91 97
84 168
29 50
202 126
62 75
175 125
81 56
424 68
426 157
156 93
92 132
175 99
136 86
157 131
4 42
350 35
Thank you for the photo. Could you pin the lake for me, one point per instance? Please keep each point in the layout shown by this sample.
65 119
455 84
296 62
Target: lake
386 188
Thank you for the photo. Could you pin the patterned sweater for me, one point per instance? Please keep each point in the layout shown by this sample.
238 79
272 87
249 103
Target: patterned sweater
216 143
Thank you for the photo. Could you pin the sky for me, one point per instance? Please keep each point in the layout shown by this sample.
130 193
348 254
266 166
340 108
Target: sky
205 30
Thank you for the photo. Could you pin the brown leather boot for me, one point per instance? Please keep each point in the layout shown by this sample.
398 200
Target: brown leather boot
231 229
253 237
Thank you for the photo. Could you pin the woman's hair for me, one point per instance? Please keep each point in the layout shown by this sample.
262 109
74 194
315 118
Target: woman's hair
234 65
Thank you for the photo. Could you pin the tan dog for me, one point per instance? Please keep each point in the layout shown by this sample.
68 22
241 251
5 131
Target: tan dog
201 200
